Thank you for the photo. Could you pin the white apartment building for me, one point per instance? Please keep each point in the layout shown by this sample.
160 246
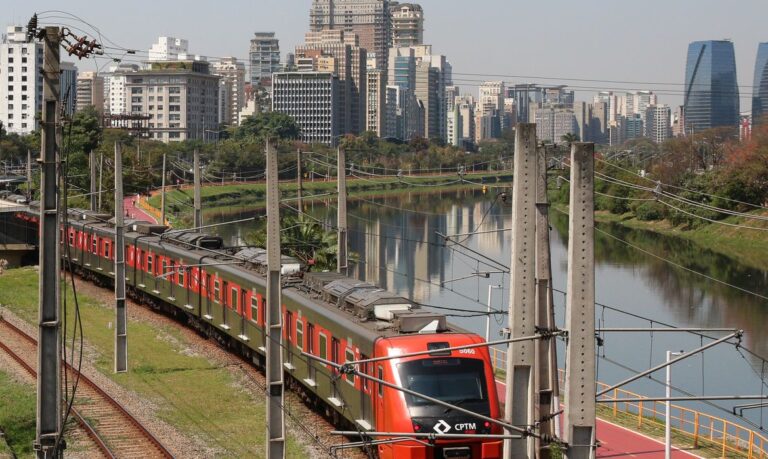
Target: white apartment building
114 82
310 98
181 98
232 89
407 24
658 123
21 81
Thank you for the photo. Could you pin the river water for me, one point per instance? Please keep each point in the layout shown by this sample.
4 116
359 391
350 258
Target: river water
397 244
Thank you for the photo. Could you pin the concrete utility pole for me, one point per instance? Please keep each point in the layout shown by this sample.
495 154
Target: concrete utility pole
275 398
162 194
342 263
101 174
299 183
580 384
49 429
94 195
521 357
546 351
121 319
198 197
29 175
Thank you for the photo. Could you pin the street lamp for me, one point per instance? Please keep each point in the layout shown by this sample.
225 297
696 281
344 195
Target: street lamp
488 317
668 408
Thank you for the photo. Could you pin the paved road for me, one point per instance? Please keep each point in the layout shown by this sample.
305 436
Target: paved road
133 211
617 441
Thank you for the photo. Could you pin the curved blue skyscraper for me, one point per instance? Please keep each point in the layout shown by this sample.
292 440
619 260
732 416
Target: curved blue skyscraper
760 86
711 92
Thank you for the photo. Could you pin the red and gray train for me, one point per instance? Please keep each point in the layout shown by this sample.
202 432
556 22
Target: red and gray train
222 292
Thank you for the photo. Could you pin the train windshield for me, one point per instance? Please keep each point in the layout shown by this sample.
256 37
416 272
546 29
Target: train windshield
452 380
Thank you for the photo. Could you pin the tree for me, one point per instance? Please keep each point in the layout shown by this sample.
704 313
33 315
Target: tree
263 125
569 138
304 239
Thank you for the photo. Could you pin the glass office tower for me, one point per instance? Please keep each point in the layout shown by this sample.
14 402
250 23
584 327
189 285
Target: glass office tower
711 92
760 86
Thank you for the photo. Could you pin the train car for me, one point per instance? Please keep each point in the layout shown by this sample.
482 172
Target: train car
222 292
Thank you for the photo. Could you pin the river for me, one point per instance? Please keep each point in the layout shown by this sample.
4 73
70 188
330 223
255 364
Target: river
397 244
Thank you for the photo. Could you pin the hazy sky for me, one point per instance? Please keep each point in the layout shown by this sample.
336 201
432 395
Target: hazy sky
608 40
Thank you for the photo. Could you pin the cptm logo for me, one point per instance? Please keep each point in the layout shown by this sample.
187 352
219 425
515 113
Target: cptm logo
442 427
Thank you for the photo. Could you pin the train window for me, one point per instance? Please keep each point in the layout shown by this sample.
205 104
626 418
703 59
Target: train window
254 307
165 268
365 369
300 334
381 377
182 272
72 238
216 290
349 356
149 263
323 344
446 379
94 244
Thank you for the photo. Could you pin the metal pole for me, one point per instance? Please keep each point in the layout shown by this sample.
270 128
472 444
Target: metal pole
275 414
121 319
675 360
101 174
580 378
547 389
94 196
162 194
198 220
299 182
695 398
342 264
48 423
29 175
519 407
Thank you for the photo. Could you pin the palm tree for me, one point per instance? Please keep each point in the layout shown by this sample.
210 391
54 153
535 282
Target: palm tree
305 239
569 138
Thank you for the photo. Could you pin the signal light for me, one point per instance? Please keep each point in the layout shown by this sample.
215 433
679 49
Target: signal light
487 424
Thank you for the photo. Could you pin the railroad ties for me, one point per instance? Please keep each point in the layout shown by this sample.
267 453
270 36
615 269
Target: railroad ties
111 427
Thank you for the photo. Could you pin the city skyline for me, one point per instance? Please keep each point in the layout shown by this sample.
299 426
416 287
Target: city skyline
644 55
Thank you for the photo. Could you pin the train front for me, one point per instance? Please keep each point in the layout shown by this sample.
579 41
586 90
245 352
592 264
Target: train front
463 378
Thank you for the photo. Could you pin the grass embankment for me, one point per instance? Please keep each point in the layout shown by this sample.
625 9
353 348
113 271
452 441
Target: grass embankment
748 246
224 199
17 417
199 398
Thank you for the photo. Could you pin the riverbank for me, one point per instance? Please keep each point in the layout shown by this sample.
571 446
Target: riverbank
228 199
748 246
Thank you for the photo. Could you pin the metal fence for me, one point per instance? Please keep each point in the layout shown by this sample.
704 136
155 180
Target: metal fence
701 429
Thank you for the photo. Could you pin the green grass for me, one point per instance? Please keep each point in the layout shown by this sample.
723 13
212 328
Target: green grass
17 417
200 399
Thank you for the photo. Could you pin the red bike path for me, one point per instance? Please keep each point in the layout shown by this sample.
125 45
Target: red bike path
133 211
617 441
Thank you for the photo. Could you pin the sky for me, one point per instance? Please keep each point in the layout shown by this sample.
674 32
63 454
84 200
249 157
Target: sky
608 40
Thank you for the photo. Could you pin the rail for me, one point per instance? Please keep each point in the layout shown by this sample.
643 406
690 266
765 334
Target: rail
701 429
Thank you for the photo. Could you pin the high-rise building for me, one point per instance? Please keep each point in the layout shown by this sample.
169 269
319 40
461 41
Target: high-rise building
553 122
658 123
310 99
407 24
711 91
466 104
181 98
232 88
21 81
264 57
172 49
370 20
116 101
90 92
68 87
489 111
760 86
376 97
338 52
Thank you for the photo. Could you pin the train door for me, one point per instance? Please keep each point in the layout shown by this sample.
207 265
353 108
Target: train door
289 337
225 316
311 350
243 314
335 358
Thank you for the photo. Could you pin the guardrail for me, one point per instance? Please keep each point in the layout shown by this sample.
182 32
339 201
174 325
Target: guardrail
701 429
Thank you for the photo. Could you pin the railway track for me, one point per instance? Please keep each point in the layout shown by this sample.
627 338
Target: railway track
112 428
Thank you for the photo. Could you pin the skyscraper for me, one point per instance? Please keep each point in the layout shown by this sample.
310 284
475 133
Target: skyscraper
370 20
711 92
760 85
407 24
264 56
21 81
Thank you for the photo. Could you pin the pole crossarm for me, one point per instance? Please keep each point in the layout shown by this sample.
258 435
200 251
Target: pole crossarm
748 406
736 334
542 335
350 370
694 398
663 330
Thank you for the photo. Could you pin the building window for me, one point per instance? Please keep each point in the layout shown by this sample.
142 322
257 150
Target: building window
174 135
10 77
174 90
137 91
174 108
173 99
10 60
160 98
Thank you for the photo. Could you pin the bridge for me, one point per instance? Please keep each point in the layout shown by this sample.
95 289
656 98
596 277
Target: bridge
18 238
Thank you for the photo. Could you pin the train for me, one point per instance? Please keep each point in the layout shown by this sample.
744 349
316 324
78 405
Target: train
221 292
